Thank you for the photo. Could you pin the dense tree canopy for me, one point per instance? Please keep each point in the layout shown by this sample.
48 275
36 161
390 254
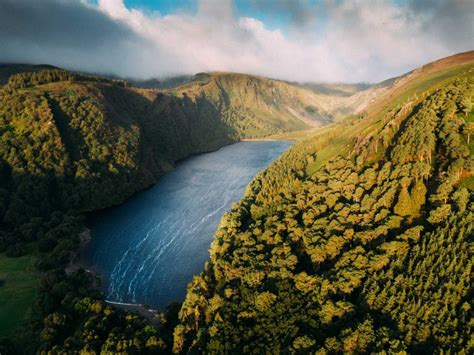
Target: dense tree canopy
70 144
358 239
371 253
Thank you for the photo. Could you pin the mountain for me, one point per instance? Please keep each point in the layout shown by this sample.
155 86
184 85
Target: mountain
350 99
84 142
255 105
357 240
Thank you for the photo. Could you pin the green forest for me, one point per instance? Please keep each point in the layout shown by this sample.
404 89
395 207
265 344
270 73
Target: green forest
370 253
358 239
71 144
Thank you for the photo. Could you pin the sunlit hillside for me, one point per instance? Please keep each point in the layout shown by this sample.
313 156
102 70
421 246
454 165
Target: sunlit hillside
359 239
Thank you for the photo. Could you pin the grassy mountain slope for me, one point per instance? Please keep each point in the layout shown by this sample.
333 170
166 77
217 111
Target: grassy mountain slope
358 239
347 99
254 105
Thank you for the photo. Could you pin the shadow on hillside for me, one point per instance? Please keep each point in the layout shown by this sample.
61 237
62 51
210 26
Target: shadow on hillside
34 205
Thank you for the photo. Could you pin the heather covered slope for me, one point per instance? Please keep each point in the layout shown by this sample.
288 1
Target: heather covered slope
358 239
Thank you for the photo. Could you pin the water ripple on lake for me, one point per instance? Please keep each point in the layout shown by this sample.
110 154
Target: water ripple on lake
149 248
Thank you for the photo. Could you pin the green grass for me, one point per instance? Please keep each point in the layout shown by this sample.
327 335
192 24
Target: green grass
326 154
434 79
17 291
470 117
347 130
417 86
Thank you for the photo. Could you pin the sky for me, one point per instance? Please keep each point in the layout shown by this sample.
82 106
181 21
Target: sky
296 40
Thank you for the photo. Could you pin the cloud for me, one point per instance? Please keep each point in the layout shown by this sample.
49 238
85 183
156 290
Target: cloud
451 22
65 33
326 41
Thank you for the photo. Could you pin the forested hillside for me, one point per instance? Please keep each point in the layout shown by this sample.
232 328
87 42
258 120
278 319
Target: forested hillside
7 70
358 239
73 143
70 144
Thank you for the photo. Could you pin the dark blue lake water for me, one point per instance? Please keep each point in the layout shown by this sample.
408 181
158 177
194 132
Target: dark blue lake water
148 249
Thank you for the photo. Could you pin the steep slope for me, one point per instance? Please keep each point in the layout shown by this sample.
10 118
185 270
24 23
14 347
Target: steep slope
345 99
358 239
254 105
396 90
83 143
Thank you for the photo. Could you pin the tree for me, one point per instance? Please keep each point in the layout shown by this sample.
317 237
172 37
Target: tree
440 214
466 104
404 205
418 194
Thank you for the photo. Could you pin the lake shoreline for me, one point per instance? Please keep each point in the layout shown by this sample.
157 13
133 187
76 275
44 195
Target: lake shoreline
181 160
79 263
82 259
261 140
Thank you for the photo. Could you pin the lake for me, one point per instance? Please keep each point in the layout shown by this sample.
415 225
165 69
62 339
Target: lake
149 248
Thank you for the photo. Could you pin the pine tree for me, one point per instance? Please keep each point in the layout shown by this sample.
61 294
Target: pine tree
404 205
418 198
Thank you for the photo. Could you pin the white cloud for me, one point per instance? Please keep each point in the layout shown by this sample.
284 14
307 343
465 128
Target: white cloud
338 40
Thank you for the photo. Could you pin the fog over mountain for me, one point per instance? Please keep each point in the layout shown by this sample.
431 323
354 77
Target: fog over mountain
347 41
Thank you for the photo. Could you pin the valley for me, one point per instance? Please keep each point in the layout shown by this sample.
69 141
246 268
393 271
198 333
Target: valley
340 245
